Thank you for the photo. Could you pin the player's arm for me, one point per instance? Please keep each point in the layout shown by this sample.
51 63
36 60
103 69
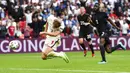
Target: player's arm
51 33
92 25
112 23
90 21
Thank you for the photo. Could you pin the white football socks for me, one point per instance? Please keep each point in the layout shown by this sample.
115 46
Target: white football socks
56 54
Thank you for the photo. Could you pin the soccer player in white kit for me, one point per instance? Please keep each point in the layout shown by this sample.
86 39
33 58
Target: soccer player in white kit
52 31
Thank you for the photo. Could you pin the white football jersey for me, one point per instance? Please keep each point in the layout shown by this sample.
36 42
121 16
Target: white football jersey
50 28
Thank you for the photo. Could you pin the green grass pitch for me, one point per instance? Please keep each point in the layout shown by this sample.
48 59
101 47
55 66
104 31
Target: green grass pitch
118 62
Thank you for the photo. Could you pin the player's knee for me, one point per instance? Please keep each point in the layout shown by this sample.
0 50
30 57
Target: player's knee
108 50
80 41
101 45
44 56
102 42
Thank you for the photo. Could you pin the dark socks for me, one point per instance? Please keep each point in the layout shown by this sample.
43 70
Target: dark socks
83 46
85 51
91 47
102 51
115 48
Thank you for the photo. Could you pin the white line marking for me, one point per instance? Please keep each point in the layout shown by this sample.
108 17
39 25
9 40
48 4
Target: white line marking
60 70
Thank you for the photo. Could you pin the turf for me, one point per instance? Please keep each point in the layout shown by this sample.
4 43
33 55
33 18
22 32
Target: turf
118 62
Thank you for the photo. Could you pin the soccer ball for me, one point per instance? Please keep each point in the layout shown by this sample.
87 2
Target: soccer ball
13 44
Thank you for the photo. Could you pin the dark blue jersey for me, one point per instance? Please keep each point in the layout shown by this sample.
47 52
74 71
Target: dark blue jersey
84 24
100 21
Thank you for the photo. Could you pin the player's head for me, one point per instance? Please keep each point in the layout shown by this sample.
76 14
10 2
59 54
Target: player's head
56 23
82 10
96 7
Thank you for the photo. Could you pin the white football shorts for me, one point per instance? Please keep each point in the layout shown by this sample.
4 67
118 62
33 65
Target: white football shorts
51 42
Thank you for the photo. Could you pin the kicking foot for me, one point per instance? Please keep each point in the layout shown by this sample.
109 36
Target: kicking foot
65 57
102 62
122 46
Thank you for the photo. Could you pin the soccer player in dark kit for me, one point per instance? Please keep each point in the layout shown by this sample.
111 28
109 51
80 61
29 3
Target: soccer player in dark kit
85 30
100 20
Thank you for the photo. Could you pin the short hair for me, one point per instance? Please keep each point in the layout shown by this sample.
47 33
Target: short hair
56 23
83 8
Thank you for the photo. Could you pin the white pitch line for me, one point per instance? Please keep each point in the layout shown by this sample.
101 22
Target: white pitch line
60 70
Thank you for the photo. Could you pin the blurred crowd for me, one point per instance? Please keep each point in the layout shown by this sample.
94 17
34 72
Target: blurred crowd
26 18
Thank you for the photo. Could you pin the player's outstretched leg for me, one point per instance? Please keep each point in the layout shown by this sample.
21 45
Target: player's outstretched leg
108 50
65 57
120 45
59 54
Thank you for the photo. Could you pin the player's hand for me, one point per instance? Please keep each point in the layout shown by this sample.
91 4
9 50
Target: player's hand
94 28
95 31
42 33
